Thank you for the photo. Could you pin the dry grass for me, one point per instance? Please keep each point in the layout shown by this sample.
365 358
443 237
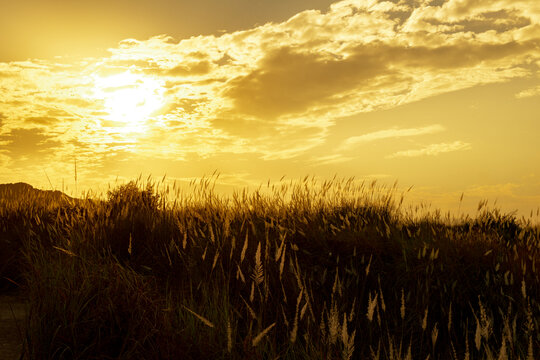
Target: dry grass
301 271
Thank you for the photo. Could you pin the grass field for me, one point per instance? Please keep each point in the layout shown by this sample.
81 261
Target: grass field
333 270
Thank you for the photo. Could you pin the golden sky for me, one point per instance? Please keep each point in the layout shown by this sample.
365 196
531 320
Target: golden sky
443 95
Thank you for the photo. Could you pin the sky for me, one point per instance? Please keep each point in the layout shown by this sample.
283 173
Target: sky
441 95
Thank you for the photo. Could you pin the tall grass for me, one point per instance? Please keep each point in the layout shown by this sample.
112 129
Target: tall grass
303 270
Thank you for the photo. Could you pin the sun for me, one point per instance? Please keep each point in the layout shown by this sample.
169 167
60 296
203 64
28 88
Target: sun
129 99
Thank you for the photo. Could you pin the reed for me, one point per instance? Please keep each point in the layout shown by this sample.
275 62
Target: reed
305 270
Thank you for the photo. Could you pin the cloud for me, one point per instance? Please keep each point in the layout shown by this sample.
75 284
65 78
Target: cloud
535 91
432 150
196 68
499 21
25 143
464 15
391 134
41 120
329 159
355 59
275 91
288 81
496 190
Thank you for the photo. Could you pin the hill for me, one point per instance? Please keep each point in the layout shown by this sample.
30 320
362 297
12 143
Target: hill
22 191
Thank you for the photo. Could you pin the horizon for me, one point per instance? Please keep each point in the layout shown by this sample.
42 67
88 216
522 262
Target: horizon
443 96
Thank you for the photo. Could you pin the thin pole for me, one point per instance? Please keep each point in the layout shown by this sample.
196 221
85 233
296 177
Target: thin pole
76 187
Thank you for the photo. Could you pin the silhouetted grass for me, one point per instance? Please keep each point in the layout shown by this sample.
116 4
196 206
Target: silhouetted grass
302 271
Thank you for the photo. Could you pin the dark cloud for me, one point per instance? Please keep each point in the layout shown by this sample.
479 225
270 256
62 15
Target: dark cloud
225 60
198 55
432 3
34 143
461 55
210 81
52 111
58 113
41 120
288 81
7 74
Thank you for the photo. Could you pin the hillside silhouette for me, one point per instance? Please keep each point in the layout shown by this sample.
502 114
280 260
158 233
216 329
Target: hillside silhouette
22 191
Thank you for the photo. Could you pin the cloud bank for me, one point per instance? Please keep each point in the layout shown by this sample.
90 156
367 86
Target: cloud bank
274 91
433 149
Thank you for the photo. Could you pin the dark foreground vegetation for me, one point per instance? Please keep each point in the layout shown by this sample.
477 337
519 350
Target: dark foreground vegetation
304 271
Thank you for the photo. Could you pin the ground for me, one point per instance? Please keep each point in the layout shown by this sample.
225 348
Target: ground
12 313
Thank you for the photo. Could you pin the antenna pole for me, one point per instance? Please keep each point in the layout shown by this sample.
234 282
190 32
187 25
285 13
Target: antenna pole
76 187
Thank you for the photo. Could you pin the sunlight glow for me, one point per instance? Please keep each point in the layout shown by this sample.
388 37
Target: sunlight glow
130 99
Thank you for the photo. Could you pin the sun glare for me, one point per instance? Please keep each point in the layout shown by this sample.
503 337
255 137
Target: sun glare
129 99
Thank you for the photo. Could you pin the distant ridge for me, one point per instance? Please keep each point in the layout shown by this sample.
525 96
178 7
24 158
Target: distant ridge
22 191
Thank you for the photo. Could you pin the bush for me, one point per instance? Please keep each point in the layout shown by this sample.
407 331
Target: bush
133 199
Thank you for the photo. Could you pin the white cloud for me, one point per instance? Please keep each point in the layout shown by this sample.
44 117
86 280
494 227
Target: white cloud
432 150
490 191
391 134
535 91
329 159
